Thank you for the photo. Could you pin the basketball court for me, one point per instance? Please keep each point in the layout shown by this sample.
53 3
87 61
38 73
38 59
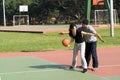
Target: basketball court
53 65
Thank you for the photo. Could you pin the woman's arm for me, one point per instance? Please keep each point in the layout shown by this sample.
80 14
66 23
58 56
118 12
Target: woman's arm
71 41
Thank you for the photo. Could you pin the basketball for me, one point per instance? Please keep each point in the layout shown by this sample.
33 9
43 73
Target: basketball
65 42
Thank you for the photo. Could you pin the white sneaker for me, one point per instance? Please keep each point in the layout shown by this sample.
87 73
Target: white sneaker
94 69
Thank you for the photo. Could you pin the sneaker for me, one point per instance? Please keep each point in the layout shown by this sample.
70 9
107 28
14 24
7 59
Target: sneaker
80 67
84 71
71 67
94 69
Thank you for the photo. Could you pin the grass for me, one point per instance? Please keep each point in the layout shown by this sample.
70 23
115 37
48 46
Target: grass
18 42
109 41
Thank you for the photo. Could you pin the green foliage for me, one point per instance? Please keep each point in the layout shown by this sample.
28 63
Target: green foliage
42 9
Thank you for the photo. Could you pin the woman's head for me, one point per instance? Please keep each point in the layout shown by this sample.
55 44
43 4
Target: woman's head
72 28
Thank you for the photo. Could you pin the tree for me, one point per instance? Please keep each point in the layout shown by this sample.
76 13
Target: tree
43 10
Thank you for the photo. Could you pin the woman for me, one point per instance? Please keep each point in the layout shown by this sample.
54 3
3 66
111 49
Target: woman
76 34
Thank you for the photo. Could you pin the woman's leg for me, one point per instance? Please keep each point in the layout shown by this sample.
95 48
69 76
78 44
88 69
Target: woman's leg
75 53
82 52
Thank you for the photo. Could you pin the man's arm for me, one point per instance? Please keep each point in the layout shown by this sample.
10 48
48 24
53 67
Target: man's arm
93 34
87 33
96 34
99 37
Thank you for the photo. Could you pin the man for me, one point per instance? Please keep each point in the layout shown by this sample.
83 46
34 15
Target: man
91 44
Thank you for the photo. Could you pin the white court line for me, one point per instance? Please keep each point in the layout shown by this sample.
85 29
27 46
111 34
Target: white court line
20 72
10 73
0 78
110 66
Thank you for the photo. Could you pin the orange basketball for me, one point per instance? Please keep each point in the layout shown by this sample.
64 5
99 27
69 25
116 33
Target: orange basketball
65 42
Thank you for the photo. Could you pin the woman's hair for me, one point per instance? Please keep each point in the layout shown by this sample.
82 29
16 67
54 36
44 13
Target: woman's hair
72 25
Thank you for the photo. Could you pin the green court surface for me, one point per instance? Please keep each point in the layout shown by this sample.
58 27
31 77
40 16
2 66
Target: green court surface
32 68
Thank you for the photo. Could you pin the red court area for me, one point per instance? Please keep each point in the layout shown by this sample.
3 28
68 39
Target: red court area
109 59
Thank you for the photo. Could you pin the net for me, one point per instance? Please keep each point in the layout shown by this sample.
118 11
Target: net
102 17
20 20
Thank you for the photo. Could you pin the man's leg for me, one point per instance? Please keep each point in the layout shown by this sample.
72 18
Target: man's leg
94 54
87 53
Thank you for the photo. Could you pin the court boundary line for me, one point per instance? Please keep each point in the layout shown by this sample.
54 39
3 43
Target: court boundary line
20 72
109 66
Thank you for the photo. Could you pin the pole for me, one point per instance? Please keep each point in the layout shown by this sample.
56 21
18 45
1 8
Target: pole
107 4
4 13
111 19
88 9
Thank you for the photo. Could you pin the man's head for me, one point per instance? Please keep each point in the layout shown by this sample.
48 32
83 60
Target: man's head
84 23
